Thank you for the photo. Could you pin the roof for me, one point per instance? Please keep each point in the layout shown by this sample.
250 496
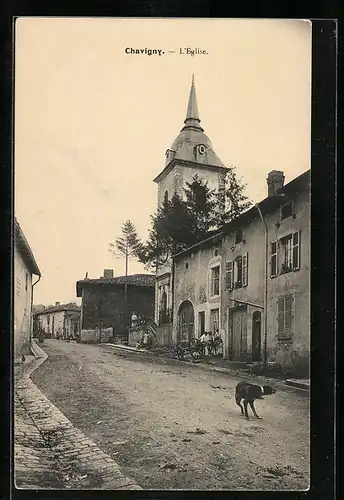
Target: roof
268 204
139 280
24 249
61 307
184 147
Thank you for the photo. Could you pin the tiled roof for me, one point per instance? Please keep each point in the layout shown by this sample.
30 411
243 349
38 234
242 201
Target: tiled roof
62 307
141 280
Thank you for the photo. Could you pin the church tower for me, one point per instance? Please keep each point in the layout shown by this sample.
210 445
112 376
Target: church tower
190 153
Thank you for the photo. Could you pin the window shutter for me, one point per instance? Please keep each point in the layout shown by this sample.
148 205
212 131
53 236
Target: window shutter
244 269
228 275
296 250
274 263
288 320
280 317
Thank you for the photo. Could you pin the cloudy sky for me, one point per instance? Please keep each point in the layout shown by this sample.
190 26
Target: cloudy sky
92 124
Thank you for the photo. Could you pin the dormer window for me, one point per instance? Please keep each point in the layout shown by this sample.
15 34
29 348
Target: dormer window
201 149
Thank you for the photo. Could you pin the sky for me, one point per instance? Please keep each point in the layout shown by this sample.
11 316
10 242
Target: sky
92 124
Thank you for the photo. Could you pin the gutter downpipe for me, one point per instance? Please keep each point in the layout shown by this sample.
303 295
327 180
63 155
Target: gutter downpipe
31 325
265 282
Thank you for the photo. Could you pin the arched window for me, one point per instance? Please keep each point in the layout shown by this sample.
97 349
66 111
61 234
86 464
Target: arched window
166 197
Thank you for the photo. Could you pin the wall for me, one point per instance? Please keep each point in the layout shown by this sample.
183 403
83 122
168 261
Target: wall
94 336
294 352
193 284
22 305
110 299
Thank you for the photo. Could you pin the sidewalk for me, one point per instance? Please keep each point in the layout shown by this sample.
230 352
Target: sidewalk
221 365
50 453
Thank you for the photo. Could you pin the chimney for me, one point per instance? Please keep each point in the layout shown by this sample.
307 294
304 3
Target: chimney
57 304
275 181
108 273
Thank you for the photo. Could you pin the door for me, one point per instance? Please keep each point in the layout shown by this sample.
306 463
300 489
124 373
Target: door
214 320
238 335
201 323
256 336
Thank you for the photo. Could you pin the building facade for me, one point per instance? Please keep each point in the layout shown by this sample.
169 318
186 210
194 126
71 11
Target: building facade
252 281
61 321
25 267
104 310
190 153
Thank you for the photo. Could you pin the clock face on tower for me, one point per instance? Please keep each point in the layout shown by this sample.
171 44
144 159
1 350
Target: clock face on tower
201 149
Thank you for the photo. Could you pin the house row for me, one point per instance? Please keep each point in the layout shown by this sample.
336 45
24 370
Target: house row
251 281
26 275
61 321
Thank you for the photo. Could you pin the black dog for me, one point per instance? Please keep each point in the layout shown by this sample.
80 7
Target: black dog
249 393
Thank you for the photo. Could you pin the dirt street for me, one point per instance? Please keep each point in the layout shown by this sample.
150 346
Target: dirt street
173 426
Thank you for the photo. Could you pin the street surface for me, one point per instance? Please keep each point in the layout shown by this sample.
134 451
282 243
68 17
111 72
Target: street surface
173 426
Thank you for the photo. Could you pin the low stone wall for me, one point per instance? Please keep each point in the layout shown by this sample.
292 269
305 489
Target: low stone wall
164 335
95 336
135 335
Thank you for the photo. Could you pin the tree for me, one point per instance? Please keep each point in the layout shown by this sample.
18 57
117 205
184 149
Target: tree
128 246
231 200
201 203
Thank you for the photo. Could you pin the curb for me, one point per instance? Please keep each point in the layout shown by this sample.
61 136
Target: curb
298 385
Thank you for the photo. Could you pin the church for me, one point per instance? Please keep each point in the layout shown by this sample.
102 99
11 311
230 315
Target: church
190 153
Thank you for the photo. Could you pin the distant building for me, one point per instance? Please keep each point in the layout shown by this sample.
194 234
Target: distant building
105 313
61 321
223 282
25 267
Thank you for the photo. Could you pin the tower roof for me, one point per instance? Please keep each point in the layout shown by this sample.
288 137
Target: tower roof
192 144
192 119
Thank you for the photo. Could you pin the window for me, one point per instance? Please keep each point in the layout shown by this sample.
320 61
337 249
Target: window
238 281
238 236
48 319
285 254
18 287
286 210
228 275
273 250
236 272
186 266
26 281
215 281
285 317
166 197
240 271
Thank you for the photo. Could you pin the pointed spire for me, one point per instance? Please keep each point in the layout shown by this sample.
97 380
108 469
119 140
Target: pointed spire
192 119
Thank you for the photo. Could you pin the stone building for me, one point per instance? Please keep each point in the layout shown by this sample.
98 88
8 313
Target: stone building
190 153
61 321
104 311
25 267
252 280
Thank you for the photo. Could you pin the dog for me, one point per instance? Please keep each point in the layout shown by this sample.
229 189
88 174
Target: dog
249 393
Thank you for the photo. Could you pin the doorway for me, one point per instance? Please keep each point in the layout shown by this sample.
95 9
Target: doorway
186 320
256 336
238 334
201 323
